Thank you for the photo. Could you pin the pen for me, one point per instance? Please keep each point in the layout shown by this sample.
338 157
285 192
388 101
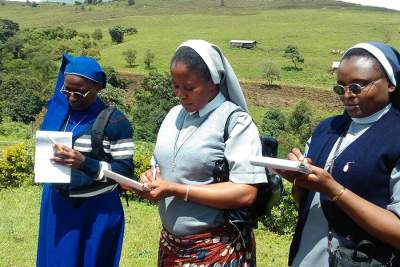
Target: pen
57 147
153 164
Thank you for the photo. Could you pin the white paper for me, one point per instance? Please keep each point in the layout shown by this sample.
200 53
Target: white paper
280 164
45 170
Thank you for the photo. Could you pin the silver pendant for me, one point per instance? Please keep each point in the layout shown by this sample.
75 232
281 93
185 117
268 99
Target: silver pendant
346 167
173 165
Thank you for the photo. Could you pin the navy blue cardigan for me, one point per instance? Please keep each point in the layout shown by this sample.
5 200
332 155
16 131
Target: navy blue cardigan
372 158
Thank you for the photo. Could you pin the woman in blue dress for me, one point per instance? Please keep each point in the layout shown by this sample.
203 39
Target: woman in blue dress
82 223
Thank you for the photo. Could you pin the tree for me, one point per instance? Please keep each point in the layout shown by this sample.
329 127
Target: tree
21 98
156 98
8 28
131 2
117 34
270 72
293 53
97 34
148 59
130 57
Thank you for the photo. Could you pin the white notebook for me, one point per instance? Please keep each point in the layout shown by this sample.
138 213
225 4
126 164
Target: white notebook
45 170
280 164
125 180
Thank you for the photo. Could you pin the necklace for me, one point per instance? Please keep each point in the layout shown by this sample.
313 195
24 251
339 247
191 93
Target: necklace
176 148
73 128
336 153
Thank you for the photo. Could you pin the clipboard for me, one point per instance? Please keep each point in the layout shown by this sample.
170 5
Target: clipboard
280 164
125 181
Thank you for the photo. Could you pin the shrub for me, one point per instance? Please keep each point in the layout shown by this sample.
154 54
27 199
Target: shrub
97 34
131 2
21 98
301 122
14 129
8 28
270 72
148 58
117 34
273 122
16 166
114 79
156 98
115 97
130 30
130 57
283 217
143 153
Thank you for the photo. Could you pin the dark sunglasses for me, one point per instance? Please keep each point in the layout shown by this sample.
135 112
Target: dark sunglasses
77 95
354 88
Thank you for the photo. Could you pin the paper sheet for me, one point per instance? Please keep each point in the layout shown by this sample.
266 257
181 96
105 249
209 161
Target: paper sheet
45 170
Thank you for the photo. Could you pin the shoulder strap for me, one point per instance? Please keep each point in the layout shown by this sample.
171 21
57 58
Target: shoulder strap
97 132
228 120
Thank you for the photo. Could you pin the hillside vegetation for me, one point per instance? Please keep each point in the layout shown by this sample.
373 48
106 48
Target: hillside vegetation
315 27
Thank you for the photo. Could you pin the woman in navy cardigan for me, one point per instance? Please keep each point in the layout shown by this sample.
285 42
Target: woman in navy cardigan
353 190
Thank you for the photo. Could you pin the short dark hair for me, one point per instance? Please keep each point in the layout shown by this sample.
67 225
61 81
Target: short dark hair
193 61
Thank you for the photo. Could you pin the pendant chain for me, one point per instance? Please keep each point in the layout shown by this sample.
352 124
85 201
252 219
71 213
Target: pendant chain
73 128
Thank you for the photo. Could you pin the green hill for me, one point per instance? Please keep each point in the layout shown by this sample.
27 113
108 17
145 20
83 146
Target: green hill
316 27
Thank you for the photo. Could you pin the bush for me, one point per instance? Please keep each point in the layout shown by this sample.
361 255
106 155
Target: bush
97 34
114 79
130 30
117 34
131 2
16 166
17 130
8 28
283 217
148 58
293 53
156 98
143 153
301 122
270 72
273 123
21 98
115 97
130 57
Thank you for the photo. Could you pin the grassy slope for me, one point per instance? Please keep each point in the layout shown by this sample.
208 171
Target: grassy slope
163 25
19 222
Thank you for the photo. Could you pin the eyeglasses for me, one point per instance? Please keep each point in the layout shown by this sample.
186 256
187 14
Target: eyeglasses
354 88
77 95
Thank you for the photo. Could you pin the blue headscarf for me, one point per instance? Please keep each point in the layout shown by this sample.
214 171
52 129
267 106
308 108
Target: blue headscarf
58 107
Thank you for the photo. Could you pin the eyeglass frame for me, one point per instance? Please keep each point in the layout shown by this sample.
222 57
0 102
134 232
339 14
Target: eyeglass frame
76 94
358 90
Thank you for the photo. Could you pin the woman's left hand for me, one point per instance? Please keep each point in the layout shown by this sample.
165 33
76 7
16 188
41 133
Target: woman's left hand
68 157
319 180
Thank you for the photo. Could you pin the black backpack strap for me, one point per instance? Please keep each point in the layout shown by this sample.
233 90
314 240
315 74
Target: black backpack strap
97 133
228 121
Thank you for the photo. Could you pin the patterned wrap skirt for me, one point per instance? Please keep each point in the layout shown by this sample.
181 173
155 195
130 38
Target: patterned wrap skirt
224 246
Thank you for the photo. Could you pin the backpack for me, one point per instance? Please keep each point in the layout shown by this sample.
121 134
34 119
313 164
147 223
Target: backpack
268 194
97 135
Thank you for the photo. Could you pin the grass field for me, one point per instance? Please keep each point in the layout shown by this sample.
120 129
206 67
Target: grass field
19 222
163 25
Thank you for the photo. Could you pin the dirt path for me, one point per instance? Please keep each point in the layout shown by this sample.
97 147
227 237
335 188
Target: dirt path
259 95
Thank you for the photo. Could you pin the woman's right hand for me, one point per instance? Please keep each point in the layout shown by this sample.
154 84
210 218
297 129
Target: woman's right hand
159 187
294 155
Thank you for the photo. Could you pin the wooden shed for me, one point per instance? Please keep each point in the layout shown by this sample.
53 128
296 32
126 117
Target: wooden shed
243 43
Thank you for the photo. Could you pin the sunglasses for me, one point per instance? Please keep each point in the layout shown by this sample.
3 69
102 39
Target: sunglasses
77 95
354 88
